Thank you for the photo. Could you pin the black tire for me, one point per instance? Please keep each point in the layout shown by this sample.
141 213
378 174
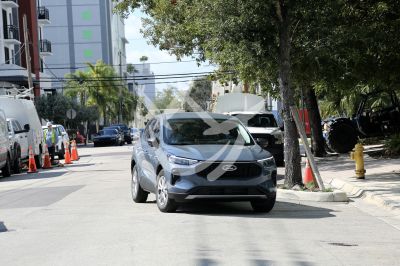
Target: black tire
61 154
129 142
137 192
264 205
342 135
17 164
95 145
38 161
164 202
6 170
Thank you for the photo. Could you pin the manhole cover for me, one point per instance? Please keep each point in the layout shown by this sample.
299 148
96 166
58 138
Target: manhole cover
343 244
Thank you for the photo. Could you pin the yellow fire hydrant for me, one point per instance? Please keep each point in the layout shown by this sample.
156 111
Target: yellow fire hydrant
358 156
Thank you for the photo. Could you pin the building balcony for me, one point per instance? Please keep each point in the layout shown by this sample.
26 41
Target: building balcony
45 47
11 34
43 16
9 3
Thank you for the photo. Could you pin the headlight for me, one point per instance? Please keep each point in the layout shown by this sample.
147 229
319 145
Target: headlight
182 161
267 163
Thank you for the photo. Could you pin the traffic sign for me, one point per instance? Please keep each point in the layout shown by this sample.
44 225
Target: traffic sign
71 113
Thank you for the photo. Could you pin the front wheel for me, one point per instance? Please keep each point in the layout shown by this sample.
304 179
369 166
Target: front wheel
61 153
138 194
6 171
164 203
17 165
264 205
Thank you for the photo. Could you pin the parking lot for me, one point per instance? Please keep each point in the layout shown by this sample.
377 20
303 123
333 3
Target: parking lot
83 214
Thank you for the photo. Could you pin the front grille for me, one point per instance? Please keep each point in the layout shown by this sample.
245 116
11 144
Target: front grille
217 170
226 191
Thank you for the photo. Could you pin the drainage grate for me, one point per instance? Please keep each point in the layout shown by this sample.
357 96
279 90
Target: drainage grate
343 244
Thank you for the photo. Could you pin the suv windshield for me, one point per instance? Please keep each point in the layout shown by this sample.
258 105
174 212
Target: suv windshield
257 120
205 131
107 132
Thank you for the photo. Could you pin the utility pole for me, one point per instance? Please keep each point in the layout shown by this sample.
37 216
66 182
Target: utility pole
27 55
120 88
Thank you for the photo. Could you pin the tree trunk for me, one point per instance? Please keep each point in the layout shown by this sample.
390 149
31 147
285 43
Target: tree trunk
292 150
318 142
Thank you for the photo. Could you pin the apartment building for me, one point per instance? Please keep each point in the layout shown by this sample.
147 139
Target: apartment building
13 63
142 82
84 31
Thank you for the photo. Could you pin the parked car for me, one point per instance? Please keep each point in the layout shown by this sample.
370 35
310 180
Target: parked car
62 138
108 137
19 145
126 131
5 154
135 134
265 130
25 112
191 156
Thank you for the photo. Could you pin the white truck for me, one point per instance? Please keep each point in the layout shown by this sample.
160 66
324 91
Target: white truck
18 137
25 112
262 125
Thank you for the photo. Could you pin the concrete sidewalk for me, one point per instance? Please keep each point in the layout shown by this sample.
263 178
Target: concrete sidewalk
381 185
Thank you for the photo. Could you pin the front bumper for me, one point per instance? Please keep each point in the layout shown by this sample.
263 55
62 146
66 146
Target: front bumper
187 188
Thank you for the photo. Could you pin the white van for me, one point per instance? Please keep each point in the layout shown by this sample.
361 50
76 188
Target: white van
5 156
25 112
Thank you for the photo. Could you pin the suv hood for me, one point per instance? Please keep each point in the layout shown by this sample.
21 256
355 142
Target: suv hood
264 130
218 152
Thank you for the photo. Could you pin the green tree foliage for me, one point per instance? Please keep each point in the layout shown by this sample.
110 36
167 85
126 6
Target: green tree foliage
54 107
200 93
100 86
168 98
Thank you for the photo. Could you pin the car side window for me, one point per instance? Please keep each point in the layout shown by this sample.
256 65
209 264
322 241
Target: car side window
149 128
15 126
18 125
156 129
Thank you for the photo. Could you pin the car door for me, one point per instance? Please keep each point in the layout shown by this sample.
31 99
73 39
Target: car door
146 166
3 139
22 139
151 151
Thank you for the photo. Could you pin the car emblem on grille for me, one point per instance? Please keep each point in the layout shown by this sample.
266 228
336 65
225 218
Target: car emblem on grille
229 167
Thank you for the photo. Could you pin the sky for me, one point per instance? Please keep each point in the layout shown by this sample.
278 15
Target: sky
138 47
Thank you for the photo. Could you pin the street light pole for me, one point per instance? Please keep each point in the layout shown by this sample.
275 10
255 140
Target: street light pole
120 89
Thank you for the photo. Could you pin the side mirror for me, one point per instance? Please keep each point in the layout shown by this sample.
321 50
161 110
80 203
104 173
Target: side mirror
152 142
63 133
27 127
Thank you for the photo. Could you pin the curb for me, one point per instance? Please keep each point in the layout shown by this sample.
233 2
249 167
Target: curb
354 191
335 196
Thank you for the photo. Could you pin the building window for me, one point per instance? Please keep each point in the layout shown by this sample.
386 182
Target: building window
12 59
7 55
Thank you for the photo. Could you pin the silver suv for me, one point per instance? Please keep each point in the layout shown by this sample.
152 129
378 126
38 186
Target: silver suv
193 156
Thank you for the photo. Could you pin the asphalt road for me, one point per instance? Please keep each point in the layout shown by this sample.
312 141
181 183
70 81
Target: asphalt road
83 215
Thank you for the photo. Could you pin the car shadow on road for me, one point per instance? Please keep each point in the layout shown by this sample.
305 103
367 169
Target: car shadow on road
287 210
39 175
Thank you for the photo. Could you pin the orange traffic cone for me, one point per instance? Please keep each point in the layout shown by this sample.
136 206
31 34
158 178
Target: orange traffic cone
308 178
32 165
74 152
46 161
67 156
